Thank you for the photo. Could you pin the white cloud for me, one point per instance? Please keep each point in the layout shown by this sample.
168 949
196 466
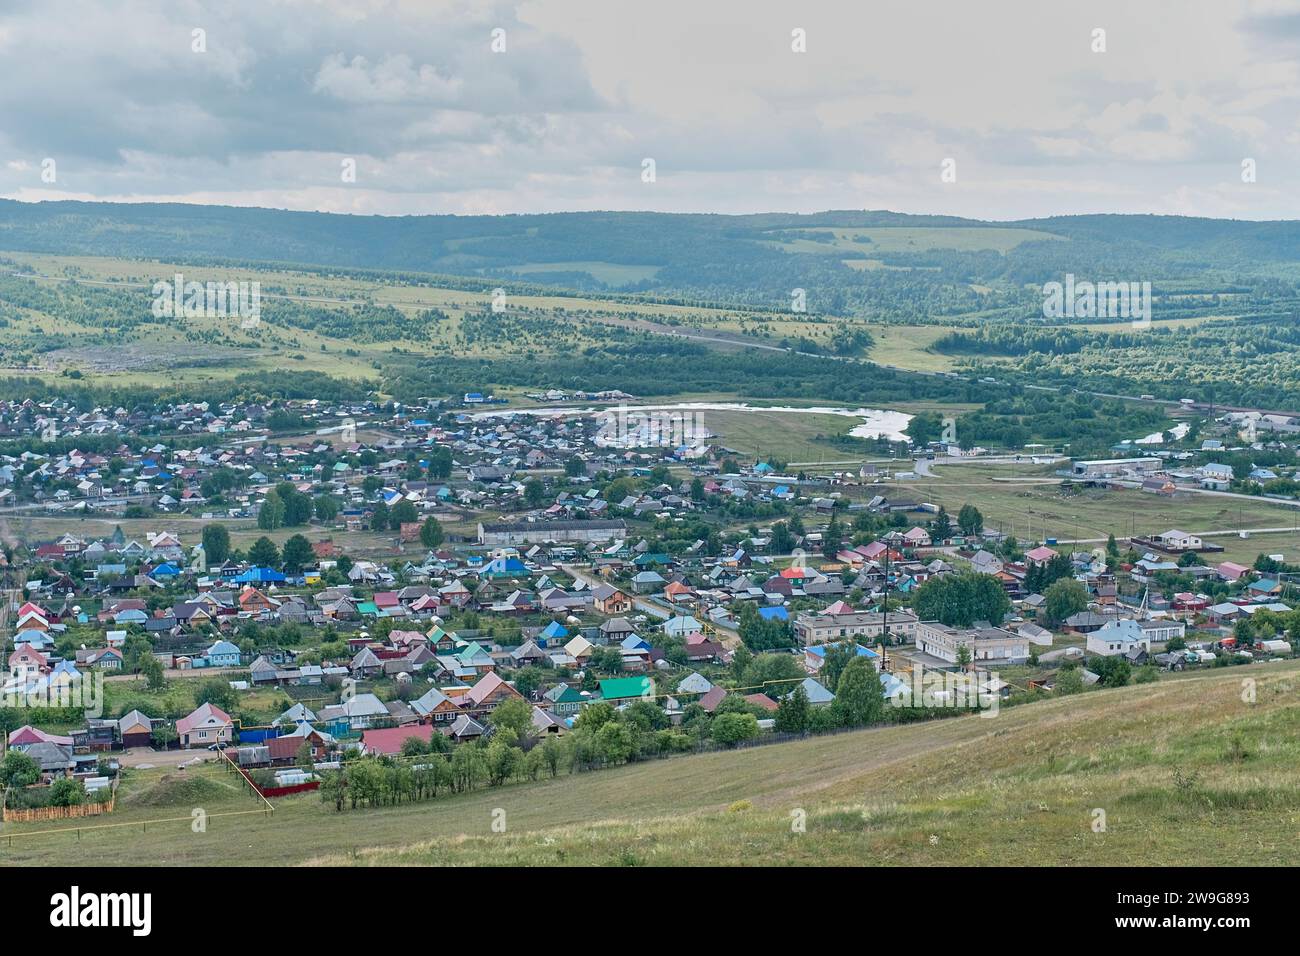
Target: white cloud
736 121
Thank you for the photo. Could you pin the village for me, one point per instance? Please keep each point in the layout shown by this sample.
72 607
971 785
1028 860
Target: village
520 590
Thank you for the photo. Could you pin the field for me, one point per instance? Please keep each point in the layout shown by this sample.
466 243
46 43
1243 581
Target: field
1035 509
782 435
914 239
1181 768
218 348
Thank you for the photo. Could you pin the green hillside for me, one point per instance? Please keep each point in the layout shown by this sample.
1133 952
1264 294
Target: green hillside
1184 769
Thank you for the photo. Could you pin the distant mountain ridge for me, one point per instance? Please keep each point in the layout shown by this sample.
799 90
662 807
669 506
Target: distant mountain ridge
756 258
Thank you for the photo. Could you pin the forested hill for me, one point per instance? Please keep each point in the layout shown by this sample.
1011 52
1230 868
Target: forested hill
851 262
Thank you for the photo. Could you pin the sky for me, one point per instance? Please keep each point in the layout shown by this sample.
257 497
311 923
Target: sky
1004 109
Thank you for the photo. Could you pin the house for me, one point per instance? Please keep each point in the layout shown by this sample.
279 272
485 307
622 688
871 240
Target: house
55 760
465 728
485 695
608 599
563 700
1215 477
435 707
681 626
206 725
916 538
694 683
621 690
984 644
1175 540
1118 637
27 735
366 664
103 658
615 629
135 730
223 654
545 722
818 695
284 748
1231 571
359 712
388 741
827 626
27 664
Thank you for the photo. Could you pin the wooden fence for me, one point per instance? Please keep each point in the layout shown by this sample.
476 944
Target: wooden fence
92 809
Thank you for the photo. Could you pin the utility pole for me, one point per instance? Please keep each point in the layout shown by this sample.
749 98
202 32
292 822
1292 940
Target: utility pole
885 620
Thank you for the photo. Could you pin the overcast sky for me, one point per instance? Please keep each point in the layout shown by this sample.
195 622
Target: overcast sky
711 90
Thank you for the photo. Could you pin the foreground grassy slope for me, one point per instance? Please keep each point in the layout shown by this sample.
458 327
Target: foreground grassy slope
1185 769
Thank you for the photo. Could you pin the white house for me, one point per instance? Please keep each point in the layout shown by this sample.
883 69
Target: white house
1176 540
1118 637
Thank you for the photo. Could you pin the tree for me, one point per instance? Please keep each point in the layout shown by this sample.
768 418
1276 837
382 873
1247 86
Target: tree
614 742
271 514
776 672
970 520
1040 577
217 692
527 681
782 541
959 600
155 677
264 553
379 517
404 512
468 767
1064 598
963 656
792 714
326 507
297 554
512 719
534 492
440 463
303 758
431 533
66 792
836 659
298 507
859 698
923 429
554 750
575 467
697 489
1113 671
1068 681
761 634
732 728
834 538
502 760
19 770
941 526
216 543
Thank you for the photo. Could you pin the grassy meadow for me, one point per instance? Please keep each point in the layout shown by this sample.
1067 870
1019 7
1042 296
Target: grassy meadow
1181 768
